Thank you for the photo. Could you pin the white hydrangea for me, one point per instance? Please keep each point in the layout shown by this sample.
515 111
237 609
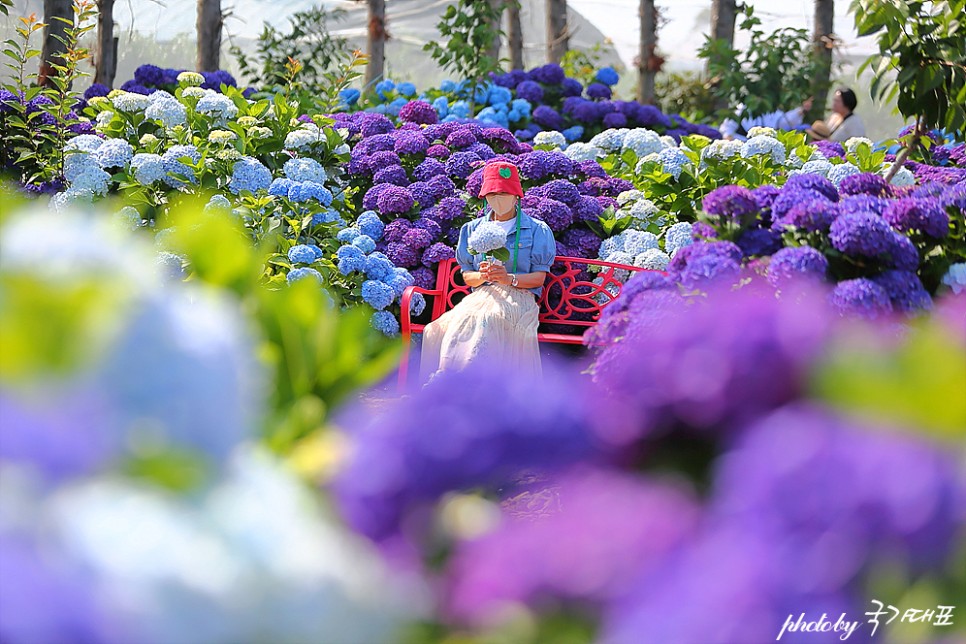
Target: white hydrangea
193 92
629 196
247 121
852 144
722 149
192 79
652 259
556 139
643 142
841 170
217 106
83 143
130 102
638 241
764 145
762 130
302 138
259 132
904 177
222 136
148 140
103 118
582 152
668 141
796 161
342 149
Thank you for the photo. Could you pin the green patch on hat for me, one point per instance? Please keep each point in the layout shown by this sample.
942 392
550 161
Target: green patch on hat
506 173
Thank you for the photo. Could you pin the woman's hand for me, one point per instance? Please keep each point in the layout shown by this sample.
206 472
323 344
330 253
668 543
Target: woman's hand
495 273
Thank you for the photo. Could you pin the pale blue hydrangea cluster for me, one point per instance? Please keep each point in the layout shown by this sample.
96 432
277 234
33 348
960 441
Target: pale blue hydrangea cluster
218 204
172 163
248 174
638 241
147 168
304 169
552 138
673 160
652 259
486 238
113 153
814 167
166 109
583 152
627 248
610 140
629 196
765 146
130 102
644 211
795 161
217 105
721 150
67 199
677 237
602 298
642 142
841 170
83 143
955 278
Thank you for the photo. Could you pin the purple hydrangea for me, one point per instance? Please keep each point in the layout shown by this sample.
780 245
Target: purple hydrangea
428 169
424 277
395 229
382 159
925 216
418 239
861 235
902 253
410 143
861 297
402 254
582 241
795 263
443 186
394 200
373 123
598 91
449 436
830 149
708 270
758 242
461 138
418 112
731 202
865 183
864 203
437 253
549 74
450 208
394 174
423 193
548 118
371 199
788 198
460 164
813 215
530 91
571 87
588 210
556 215
615 120
905 290
684 256
815 182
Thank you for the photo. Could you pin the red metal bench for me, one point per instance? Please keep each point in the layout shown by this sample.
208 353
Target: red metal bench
570 301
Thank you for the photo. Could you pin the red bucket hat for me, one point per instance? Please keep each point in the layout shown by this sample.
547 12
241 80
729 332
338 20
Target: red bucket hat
501 176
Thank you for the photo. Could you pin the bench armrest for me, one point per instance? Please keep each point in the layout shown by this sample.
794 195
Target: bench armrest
404 306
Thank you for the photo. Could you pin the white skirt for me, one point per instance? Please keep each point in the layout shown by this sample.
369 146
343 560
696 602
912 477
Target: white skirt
495 323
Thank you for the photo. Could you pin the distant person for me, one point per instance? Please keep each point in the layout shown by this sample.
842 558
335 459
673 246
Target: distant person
843 124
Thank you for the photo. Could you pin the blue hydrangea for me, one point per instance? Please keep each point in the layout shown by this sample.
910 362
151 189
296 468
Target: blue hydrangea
280 187
168 111
91 178
349 250
643 210
383 88
636 241
301 192
377 294
301 254
396 106
349 96
378 267
75 163
447 86
765 146
417 304
113 153
441 105
327 216
609 140
216 105
486 237
607 76
821 167
840 171
296 274
385 322
652 259
171 161
460 110
147 168
400 280
677 237
573 133
364 243
370 224
348 265
346 235
673 161
304 169
955 278
249 174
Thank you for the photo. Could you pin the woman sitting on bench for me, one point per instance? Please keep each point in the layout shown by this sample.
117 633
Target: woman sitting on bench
498 320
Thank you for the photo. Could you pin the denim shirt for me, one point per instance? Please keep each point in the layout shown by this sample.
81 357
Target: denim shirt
537 248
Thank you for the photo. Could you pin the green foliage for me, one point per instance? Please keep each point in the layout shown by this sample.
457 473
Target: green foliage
307 41
583 65
774 72
686 93
467 32
921 61
5 6
32 138
917 383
